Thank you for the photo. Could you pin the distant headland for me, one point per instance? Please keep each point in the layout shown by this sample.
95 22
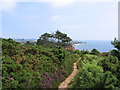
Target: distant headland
78 43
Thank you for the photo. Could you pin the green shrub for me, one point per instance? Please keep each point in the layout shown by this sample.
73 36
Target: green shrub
95 52
32 66
97 72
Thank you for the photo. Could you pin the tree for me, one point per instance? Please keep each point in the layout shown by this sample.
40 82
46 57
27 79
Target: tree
116 44
95 52
115 52
30 43
68 40
45 36
43 39
58 35
50 39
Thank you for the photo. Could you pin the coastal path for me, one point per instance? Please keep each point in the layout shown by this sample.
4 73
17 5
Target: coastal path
66 82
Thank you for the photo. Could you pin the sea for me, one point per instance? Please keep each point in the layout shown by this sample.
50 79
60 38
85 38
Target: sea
100 45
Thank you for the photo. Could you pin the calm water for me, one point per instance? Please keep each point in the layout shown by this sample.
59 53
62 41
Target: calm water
102 46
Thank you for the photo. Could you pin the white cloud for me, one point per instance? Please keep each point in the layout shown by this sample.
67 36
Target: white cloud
59 3
8 5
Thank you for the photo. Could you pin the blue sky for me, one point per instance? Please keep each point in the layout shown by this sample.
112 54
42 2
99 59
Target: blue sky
80 20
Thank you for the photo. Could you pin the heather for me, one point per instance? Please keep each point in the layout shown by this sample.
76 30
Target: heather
34 66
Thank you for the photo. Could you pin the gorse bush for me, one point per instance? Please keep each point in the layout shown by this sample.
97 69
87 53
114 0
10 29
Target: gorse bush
116 53
95 52
32 66
46 66
111 64
98 72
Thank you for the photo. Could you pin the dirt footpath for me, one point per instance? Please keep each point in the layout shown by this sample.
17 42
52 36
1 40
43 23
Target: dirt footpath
65 83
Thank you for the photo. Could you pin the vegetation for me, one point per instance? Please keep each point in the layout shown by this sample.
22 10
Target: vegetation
116 44
99 70
34 66
58 38
95 52
116 52
46 64
0 63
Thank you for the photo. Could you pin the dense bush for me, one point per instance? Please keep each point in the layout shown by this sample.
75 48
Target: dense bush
98 72
105 54
115 52
95 52
32 66
111 64
116 43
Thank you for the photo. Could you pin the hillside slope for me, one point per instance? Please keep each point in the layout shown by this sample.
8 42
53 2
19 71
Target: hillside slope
32 66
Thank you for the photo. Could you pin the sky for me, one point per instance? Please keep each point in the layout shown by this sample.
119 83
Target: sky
80 20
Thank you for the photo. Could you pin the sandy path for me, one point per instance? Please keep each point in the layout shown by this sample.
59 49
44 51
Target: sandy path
65 83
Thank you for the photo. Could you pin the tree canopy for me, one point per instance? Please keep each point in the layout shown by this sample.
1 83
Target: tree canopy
58 38
116 44
116 52
95 52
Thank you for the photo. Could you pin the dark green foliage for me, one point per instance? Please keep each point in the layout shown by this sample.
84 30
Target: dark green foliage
0 63
98 72
32 66
109 63
105 54
95 52
84 52
116 44
112 64
92 76
30 43
116 53
58 38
